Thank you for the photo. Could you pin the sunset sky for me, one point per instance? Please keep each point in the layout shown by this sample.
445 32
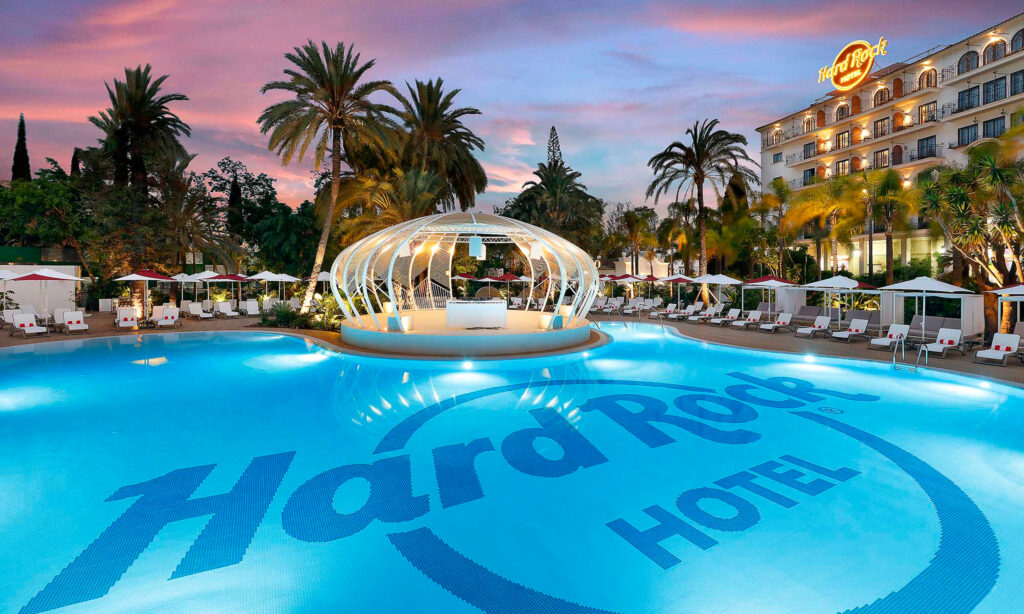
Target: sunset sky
619 79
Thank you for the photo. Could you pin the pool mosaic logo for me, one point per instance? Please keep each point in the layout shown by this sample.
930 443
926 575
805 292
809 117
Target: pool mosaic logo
961 573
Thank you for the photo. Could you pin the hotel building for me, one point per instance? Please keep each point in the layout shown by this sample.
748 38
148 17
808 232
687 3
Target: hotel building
907 116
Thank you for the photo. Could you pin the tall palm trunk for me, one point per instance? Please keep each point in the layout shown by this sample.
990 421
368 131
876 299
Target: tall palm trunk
325 234
888 254
702 258
833 219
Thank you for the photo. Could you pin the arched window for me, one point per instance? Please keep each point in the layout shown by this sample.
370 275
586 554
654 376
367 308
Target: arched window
927 79
995 51
1017 43
967 63
808 124
882 96
775 137
842 111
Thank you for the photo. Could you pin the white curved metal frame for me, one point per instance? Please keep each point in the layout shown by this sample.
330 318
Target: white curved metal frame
383 268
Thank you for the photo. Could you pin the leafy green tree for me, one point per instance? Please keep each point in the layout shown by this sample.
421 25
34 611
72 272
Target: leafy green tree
639 225
558 202
330 109
711 156
288 238
386 200
21 170
676 230
438 142
838 203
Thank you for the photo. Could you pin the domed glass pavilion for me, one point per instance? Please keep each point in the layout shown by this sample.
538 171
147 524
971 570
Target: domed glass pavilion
399 280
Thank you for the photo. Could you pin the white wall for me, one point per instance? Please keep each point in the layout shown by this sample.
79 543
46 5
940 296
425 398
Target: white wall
57 293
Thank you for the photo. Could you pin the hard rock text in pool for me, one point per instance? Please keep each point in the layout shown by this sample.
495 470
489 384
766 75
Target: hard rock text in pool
309 515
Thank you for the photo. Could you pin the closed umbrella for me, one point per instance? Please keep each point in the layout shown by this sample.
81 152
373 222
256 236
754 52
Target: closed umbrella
147 276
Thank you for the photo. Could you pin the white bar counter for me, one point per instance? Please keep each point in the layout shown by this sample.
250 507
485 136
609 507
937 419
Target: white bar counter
476 314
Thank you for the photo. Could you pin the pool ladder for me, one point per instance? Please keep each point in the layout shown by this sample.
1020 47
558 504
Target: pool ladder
921 351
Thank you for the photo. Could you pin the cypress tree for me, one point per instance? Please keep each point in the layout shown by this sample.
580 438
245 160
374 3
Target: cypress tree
235 219
76 162
554 149
21 169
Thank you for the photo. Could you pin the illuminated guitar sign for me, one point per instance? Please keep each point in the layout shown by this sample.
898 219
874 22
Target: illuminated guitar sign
853 64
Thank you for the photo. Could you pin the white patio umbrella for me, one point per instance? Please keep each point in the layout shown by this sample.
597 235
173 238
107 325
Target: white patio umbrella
182 279
264 276
284 277
768 282
676 280
719 280
147 276
831 285
44 275
202 277
923 285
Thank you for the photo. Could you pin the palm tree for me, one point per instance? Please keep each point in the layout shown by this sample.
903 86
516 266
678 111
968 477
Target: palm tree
836 202
331 109
439 142
884 190
139 124
193 218
386 200
638 228
777 202
558 202
676 230
711 156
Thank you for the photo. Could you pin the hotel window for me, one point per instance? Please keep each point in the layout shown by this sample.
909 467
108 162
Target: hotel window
993 128
967 99
881 158
882 96
842 112
842 167
808 176
776 158
808 124
995 90
1017 83
1018 42
995 51
927 79
967 63
843 140
927 112
967 135
810 150
881 127
926 147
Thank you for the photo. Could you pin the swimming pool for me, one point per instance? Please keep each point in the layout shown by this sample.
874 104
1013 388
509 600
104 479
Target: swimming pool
244 472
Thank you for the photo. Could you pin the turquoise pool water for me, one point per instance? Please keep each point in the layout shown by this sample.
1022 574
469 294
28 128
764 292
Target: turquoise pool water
255 472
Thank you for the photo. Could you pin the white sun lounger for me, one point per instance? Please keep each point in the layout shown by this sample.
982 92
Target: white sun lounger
948 339
689 311
707 314
896 334
752 319
126 318
857 328
250 307
73 322
1003 346
167 316
25 323
669 310
8 316
223 309
820 326
729 317
195 310
781 321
